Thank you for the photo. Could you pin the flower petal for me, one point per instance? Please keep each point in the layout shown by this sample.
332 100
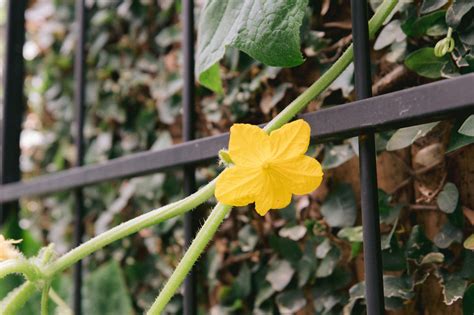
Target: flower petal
248 145
273 194
301 175
290 140
237 186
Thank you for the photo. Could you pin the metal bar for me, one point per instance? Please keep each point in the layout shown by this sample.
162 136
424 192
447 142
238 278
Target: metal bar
446 99
79 73
13 106
190 218
374 294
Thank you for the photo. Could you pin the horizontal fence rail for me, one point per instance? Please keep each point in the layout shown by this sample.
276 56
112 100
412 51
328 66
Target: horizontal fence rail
429 102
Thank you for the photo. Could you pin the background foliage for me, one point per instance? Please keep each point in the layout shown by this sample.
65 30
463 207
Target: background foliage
305 259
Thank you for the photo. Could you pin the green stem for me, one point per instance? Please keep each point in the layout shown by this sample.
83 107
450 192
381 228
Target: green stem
66 310
329 76
130 227
45 298
198 245
22 266
17 298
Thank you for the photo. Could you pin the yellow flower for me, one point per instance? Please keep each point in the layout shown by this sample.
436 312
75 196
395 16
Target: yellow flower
268 169
7 250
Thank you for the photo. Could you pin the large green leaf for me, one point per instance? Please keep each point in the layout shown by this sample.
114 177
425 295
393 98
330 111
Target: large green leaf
267 30
431 5
469 242
106 292
447 199
424 62
467 127
340 209
457 11
404 137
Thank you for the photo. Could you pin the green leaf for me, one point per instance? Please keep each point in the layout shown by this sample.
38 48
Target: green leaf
467 128
418 245
329 263
469 242
336 155
290 302
106 293
294 233
448 198
453 288
432 5
448 235
457 11
404 137
458 141
424 62
468 301
267 30
421 25
352 234
280 274
340 209
392 32
248 238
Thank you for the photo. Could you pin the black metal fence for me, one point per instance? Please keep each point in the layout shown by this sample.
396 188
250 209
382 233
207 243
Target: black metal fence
430 102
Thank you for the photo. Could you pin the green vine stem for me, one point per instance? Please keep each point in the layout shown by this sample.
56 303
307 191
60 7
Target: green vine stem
206 192
198 245
17 298
22 266
66 310
45 298
145 220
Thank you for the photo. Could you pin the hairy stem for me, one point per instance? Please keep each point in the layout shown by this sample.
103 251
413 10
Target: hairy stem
17 298
198 245
130 227
23 266
66 310
45 299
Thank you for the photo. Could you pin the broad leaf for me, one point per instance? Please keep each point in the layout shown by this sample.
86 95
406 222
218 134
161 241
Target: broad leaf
453 288
339 209
337 155
469 242
290 302
267 30
424 62
457 11
404 137
280 274
448 198
106 292
432 5
448 235
458 141
467 128
392 32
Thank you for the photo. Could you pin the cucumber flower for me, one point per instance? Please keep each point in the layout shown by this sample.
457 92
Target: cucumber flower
268 168
7 250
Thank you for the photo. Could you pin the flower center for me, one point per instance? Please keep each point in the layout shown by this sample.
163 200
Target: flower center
266 165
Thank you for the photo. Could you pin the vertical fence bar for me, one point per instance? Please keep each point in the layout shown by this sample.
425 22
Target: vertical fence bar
190 218
13 105
368 172
79 73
